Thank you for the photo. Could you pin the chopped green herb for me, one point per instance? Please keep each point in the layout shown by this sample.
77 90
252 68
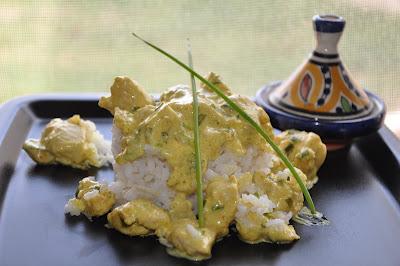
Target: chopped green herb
244 115
158 145
289 148
289 202
294 139
304 153
186 126
268 215
149 131
134 109
164 136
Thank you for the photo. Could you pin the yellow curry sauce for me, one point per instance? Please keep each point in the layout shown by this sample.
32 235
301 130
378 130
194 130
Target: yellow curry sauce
167 125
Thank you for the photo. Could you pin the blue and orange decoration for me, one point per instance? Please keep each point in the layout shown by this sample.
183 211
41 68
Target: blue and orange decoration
321 95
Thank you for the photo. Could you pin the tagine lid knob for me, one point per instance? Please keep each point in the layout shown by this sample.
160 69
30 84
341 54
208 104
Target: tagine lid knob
328 30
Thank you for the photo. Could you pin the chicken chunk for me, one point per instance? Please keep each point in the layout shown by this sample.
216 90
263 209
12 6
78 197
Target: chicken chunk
305 150
126 95
91 198
73 142
139 217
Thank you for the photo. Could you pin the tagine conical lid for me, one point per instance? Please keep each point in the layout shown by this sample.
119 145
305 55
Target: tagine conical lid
322 87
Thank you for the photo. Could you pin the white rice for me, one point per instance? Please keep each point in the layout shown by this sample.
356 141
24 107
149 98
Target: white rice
102 146
193 231
147 176
242 217
277 224
229 163
259 205
285 216
286 174
91 194
250 189
283 175
71 208
116 140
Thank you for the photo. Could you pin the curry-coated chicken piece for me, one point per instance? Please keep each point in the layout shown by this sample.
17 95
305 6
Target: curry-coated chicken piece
91 198
257 220
126 94
73 142
139 217
190 241
305 150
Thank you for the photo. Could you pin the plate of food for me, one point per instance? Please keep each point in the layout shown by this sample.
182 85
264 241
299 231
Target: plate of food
188 176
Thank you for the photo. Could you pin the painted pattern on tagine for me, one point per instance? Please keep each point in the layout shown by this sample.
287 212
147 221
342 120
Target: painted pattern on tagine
323 88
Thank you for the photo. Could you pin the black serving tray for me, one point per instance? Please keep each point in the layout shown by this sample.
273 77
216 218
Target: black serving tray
359 191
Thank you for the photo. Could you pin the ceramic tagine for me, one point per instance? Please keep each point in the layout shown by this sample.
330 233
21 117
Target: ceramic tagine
321 95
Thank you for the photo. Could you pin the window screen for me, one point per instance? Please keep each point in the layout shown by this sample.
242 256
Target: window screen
80 46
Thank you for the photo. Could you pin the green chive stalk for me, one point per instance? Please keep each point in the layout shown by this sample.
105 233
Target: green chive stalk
245 116
199 180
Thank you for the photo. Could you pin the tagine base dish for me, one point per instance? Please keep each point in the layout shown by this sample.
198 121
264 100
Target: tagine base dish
335 133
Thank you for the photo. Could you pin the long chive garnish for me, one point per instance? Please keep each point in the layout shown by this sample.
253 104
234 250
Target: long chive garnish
245 116
199 180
